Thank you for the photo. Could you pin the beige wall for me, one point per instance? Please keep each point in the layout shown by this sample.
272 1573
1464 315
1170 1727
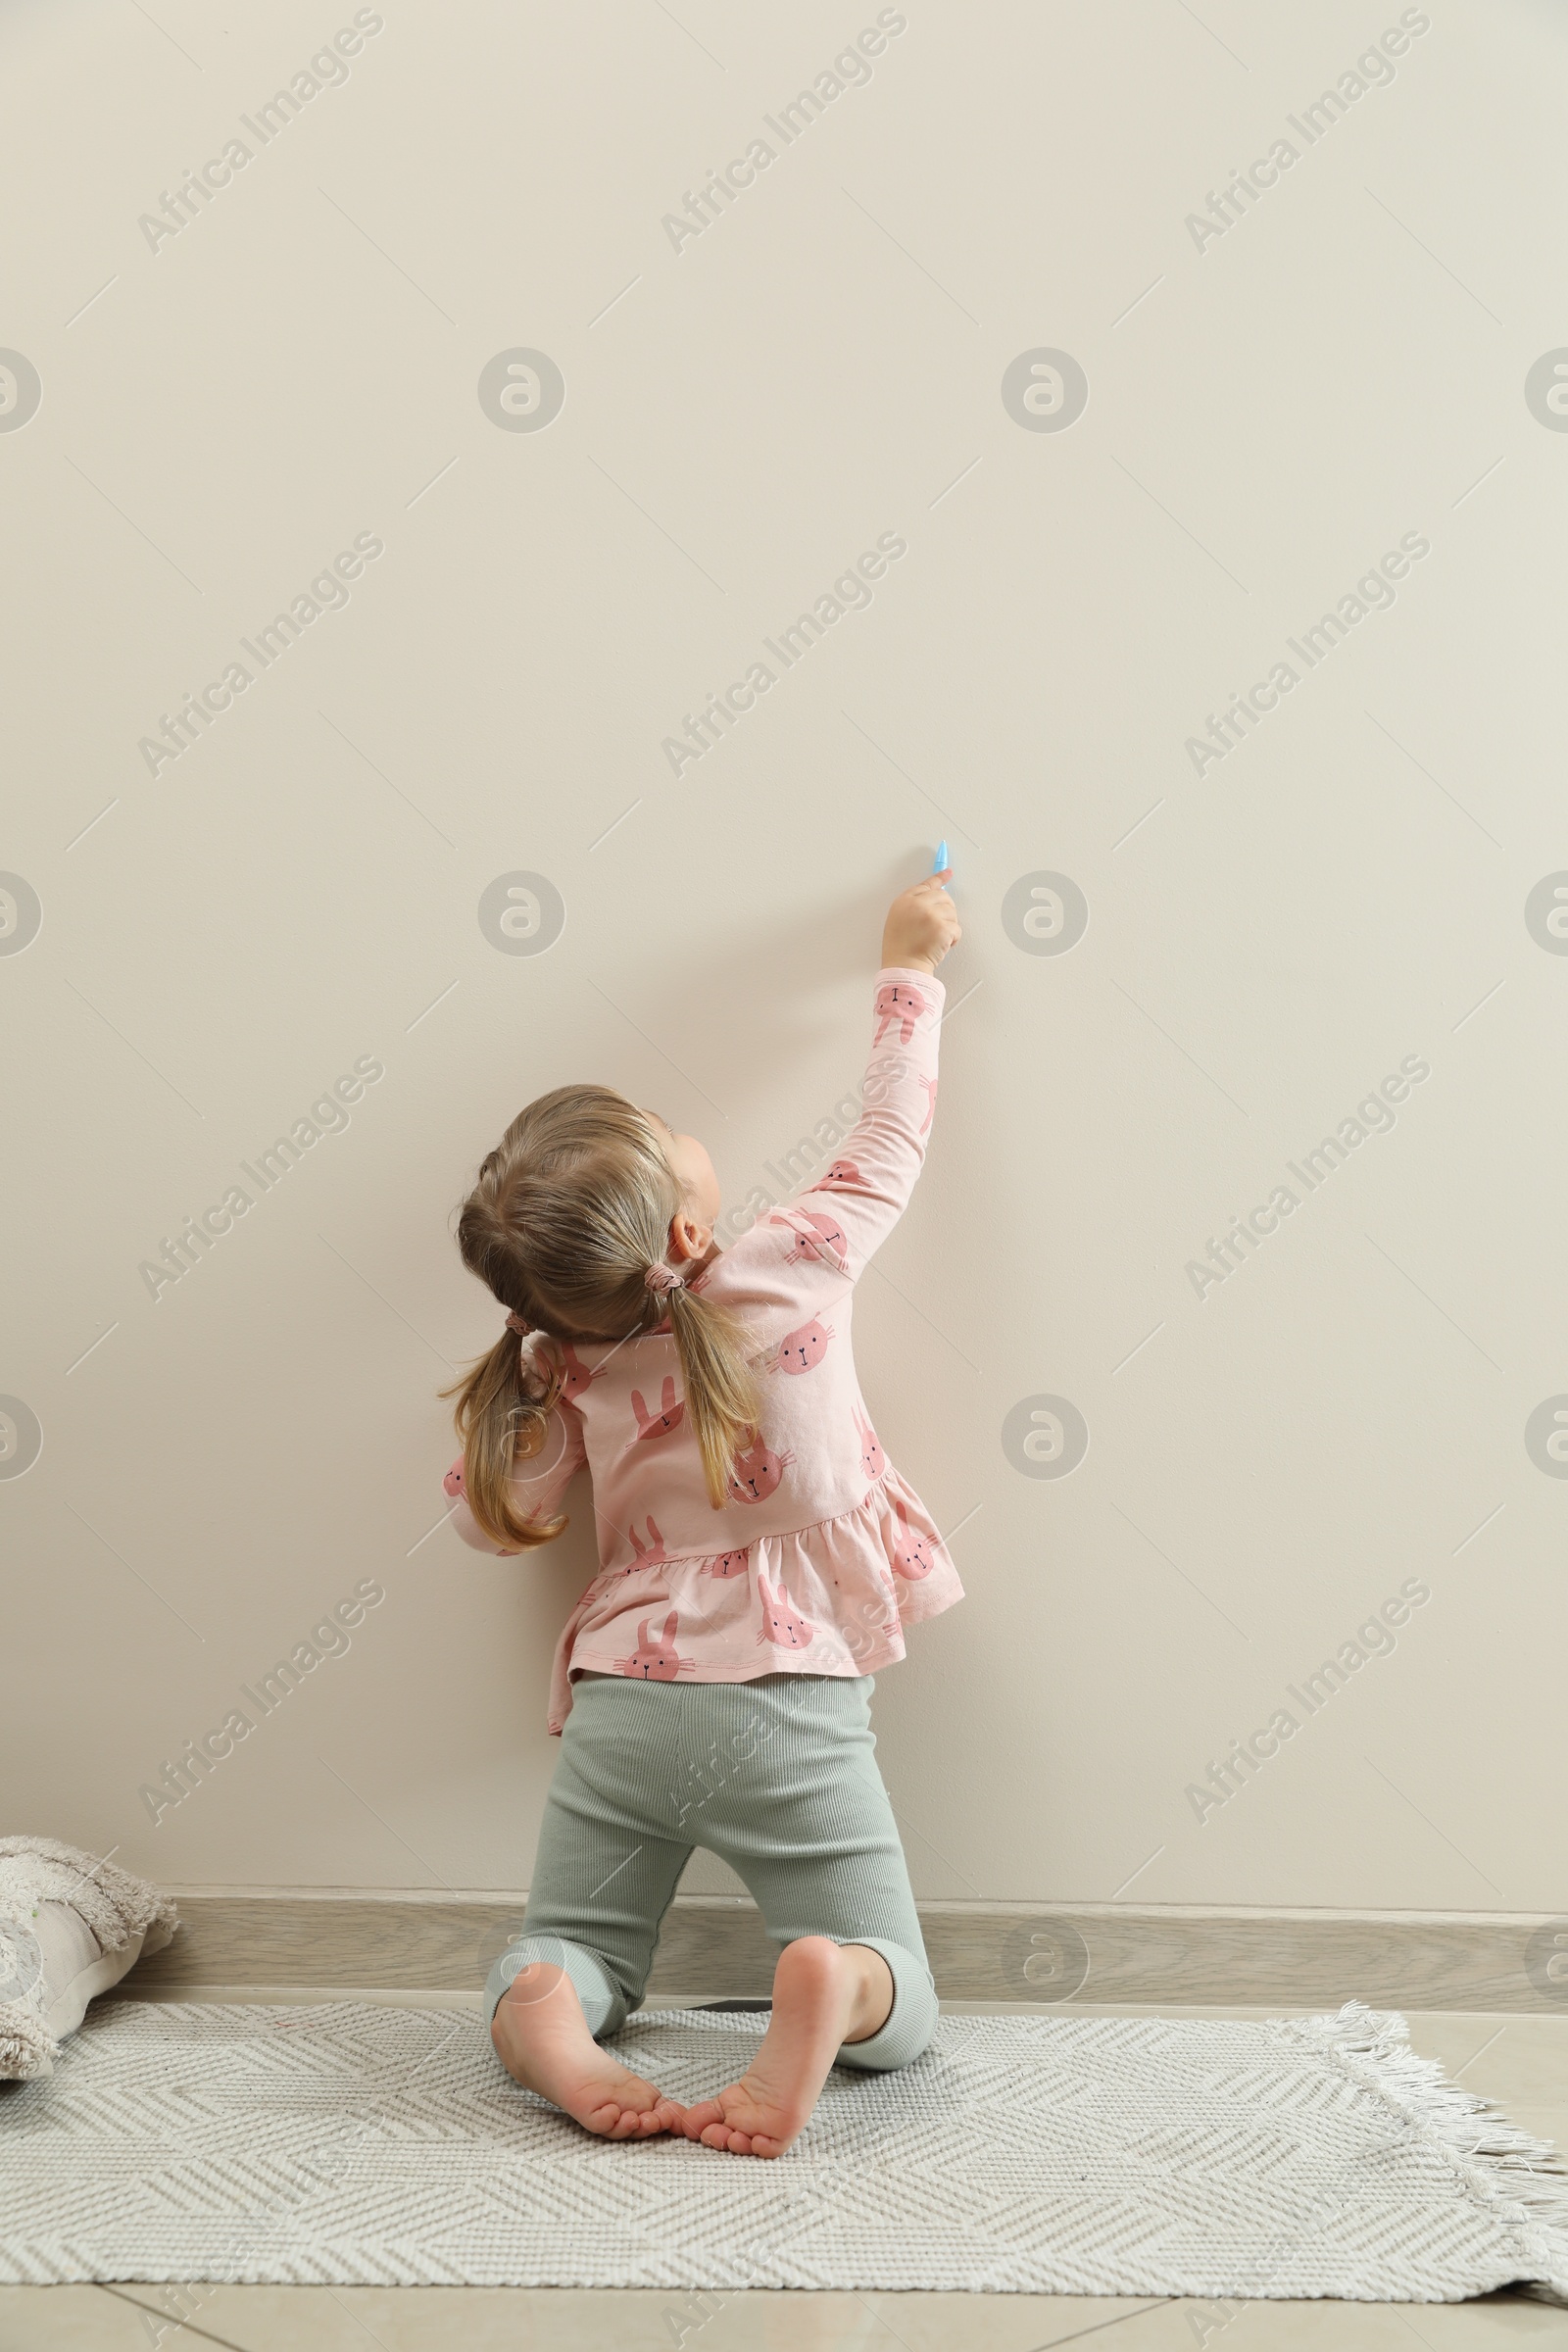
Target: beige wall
1270 411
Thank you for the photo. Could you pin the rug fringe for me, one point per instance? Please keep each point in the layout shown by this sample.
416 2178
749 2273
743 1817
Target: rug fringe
1521 2178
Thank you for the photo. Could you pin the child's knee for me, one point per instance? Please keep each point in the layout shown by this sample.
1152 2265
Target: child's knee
532 1965
911 2024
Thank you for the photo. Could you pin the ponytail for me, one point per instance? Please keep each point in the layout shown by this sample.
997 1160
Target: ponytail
722 1397
501 1421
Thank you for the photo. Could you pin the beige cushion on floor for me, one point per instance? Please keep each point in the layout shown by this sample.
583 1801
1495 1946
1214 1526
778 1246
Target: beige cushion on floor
70 1927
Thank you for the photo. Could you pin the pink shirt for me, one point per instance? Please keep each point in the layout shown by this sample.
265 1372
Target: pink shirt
823 1551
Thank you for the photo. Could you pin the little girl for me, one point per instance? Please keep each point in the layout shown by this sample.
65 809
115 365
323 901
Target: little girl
758 1554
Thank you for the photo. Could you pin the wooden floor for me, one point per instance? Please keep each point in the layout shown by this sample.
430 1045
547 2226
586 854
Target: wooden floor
1520 2062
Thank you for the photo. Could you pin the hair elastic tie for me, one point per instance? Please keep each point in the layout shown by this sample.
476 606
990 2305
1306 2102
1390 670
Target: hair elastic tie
662 1278
515 1322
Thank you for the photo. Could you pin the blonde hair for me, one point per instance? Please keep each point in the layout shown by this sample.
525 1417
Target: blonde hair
569 1213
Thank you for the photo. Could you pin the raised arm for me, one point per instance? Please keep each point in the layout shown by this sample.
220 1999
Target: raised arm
850 1211
537 1485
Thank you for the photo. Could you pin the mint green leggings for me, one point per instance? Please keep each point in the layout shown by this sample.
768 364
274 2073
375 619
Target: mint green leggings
780 1777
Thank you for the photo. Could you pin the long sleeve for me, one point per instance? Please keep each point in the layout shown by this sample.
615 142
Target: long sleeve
537 1487
865 1191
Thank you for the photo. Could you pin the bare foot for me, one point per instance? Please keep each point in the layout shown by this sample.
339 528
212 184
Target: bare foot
823 1993
543 2042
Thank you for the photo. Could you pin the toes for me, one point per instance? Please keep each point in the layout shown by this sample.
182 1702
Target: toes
613 2121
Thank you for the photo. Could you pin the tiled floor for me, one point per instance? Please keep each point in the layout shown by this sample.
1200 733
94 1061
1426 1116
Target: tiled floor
1520 2062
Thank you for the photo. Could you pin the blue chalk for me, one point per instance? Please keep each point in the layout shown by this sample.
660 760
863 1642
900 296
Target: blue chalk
941 860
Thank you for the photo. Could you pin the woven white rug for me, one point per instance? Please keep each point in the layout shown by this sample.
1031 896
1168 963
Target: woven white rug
365 2146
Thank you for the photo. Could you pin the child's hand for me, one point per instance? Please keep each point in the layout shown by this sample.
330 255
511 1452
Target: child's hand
922 925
